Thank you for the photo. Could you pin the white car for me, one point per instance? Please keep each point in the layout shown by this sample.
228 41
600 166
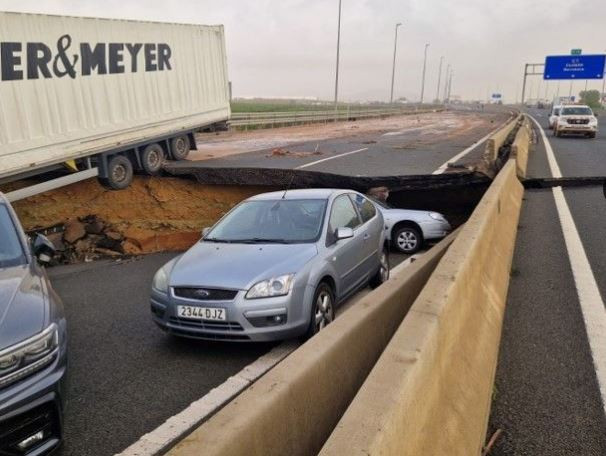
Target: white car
408 229
576 119
553 117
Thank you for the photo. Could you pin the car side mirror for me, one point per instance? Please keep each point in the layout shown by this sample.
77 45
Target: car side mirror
344 233
205 231
43 249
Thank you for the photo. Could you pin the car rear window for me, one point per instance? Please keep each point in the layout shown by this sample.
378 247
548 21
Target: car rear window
366 209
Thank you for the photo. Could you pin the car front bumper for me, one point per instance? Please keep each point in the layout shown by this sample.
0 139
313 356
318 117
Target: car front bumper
34 407
568 128
247 320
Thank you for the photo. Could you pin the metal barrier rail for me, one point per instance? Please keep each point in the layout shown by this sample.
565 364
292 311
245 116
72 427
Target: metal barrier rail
294 117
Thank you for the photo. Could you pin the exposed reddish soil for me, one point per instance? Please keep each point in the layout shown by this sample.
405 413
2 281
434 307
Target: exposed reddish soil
153 214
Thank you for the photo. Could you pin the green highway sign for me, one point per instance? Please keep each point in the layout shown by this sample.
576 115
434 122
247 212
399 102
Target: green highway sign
576 52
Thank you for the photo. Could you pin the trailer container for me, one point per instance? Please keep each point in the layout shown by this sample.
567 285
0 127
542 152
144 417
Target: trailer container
108 97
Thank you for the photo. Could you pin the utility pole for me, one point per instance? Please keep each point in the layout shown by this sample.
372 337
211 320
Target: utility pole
439 79
338 51
393 71
424 67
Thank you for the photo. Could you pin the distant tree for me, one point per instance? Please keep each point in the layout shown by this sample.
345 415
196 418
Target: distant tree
591 98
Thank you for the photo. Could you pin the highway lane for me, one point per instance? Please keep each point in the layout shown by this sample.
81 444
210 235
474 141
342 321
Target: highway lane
407 151
549 386
126 376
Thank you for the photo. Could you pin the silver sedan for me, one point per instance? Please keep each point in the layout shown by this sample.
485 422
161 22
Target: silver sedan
408 229
275 267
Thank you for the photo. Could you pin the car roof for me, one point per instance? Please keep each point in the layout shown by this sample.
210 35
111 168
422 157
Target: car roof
575 106
308 193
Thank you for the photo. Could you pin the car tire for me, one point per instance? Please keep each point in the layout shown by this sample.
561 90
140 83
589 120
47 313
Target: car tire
119 173
407 239
322 309
179 147
152 159
592 135
382 275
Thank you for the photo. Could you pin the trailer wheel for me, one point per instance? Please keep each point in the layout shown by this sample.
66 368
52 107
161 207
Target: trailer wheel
179 147
119 172
152 159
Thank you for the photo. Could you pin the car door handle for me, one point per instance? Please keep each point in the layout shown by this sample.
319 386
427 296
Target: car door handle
366 236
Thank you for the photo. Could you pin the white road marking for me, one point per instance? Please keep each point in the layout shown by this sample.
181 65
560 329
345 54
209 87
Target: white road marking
307 165
592 304
460 155
176 427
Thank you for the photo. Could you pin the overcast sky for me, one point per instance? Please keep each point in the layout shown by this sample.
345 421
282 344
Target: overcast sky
287 48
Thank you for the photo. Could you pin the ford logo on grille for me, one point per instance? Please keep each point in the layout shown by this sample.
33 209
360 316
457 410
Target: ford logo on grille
201 294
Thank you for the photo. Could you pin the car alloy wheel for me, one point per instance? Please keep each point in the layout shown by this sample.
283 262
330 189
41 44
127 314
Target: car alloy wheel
407 241
324 310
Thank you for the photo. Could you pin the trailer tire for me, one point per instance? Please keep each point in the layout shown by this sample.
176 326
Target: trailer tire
152 159
119 172
179 147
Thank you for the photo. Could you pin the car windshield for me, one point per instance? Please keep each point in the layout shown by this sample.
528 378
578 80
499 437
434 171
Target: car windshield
576 111
276 221
11 251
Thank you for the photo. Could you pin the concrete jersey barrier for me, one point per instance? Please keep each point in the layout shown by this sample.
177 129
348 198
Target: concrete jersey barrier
521 147
497 140
430 392
293 408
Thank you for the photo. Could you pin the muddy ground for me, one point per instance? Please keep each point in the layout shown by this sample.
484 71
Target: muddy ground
153 214
433 128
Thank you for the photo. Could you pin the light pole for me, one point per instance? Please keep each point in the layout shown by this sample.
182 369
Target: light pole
338 51
450 85
424 67
446 82
393 70
439 79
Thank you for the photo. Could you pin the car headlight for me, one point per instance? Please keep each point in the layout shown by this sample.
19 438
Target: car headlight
276 286
436 216
593 121
29 356
160 282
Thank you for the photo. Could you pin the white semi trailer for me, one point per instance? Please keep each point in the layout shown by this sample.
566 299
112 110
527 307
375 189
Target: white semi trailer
108 97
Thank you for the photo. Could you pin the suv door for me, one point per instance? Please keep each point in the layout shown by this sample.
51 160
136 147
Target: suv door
372 233
347 255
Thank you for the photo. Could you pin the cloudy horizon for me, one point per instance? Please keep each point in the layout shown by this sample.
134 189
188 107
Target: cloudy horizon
287 48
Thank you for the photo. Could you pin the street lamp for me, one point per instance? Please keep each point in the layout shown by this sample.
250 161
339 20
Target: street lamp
393 70
439 79
338 51
424 66
446 82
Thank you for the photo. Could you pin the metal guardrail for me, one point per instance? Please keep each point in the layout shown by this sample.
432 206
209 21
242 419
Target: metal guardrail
296 117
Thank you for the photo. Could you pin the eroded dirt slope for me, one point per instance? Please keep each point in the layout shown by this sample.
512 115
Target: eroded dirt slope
153 214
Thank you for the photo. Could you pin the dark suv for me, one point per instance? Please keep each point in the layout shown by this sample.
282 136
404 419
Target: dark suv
33 344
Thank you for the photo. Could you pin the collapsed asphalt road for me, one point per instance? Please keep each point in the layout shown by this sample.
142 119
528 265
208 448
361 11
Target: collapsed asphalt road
401 147
126 377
